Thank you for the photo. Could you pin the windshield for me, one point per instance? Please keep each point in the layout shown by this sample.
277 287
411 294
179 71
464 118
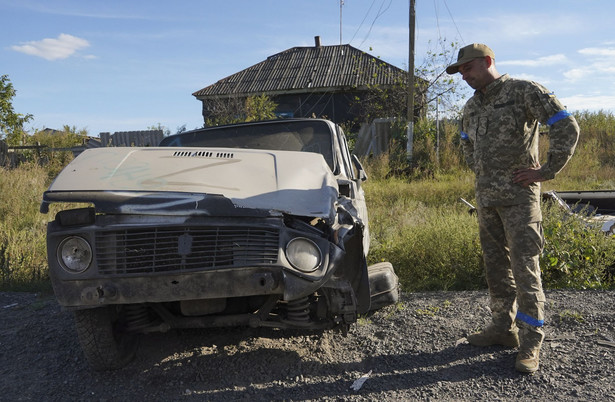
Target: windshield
304 136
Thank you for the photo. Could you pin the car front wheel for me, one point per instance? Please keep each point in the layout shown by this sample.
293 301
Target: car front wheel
104 342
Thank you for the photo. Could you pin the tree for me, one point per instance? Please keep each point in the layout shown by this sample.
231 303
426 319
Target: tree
442 91
222 111
235 109
260 108
436 94
181 129
57 142
158 126
11 123
65 138
379 101
433 88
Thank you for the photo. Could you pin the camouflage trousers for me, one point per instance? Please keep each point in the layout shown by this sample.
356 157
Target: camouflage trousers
512 241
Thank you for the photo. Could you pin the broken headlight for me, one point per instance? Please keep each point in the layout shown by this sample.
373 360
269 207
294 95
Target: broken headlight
74 254
303 254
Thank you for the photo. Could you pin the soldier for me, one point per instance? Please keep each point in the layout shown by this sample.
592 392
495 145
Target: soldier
499 136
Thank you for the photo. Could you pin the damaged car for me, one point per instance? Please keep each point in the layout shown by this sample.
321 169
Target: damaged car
259 224
597 206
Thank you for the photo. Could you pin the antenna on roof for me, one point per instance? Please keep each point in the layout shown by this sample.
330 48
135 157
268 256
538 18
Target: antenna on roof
341 4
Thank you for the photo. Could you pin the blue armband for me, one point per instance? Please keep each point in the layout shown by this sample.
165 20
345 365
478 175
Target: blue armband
562 114
464 136
530 320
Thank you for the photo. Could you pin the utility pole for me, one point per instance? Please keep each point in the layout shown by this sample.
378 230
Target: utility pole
410 130
438 131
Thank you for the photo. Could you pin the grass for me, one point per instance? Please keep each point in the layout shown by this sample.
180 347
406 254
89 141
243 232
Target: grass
571 315
23 251
23 264
422 227
419 225
416 220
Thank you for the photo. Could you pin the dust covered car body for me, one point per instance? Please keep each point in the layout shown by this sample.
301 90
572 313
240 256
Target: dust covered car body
259 224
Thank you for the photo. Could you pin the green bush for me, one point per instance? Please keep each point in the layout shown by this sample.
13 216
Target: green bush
427 234
577 254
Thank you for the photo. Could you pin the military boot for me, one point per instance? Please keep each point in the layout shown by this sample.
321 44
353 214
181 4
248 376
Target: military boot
528 359
493 335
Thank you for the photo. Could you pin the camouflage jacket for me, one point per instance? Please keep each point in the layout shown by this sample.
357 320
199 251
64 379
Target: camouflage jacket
499 134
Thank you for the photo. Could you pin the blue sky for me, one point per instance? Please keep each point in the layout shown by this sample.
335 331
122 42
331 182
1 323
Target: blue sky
128 65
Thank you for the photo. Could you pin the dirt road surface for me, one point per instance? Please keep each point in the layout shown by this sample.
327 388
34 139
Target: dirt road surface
414 350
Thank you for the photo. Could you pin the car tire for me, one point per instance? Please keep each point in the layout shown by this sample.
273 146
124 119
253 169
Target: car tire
102 340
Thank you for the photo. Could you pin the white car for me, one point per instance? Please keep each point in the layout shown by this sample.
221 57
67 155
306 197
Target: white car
253 224
596 207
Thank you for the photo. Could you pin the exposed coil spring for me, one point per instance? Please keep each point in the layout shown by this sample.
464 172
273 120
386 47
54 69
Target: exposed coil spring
136 317
298 310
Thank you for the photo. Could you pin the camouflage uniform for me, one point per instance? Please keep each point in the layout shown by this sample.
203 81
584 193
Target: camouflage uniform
499 133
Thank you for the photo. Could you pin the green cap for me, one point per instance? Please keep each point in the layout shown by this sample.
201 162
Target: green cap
469 53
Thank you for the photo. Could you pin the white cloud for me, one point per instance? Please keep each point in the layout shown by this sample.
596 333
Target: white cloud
62 47
389 43
591 103
577 74
600 52
544 80
539 62
598 63
507 28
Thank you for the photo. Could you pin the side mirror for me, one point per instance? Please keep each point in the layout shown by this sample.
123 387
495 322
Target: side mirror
357 164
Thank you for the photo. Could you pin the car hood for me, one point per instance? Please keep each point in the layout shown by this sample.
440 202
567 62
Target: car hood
159 180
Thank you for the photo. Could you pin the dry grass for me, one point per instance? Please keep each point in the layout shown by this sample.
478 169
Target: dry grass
417 221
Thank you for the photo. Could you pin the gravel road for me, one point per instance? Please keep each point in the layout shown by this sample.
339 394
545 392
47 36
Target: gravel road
414 350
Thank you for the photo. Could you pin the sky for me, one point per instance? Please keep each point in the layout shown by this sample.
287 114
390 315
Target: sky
108 66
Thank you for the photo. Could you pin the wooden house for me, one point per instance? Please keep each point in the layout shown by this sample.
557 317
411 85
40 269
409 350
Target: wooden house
318 81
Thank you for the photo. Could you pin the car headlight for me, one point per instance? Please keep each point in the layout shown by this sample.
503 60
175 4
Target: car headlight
74 254
303 254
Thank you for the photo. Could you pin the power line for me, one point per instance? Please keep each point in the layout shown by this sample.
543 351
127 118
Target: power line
364 18
453 19
435 6
380 13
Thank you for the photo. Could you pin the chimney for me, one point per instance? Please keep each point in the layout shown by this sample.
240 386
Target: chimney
317 41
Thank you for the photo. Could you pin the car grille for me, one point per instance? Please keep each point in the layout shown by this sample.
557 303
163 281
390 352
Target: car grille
151 250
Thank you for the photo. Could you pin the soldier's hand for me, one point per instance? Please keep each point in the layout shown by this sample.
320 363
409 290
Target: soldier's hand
527 176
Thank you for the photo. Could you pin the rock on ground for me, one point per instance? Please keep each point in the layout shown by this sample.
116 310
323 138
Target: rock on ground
414 350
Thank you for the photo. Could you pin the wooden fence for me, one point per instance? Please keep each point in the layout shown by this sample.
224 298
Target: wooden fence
374 139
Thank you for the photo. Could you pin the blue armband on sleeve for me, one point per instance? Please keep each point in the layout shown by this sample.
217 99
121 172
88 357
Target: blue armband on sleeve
562 114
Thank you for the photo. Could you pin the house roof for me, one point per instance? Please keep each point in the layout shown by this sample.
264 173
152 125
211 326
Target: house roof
302 69
51 131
